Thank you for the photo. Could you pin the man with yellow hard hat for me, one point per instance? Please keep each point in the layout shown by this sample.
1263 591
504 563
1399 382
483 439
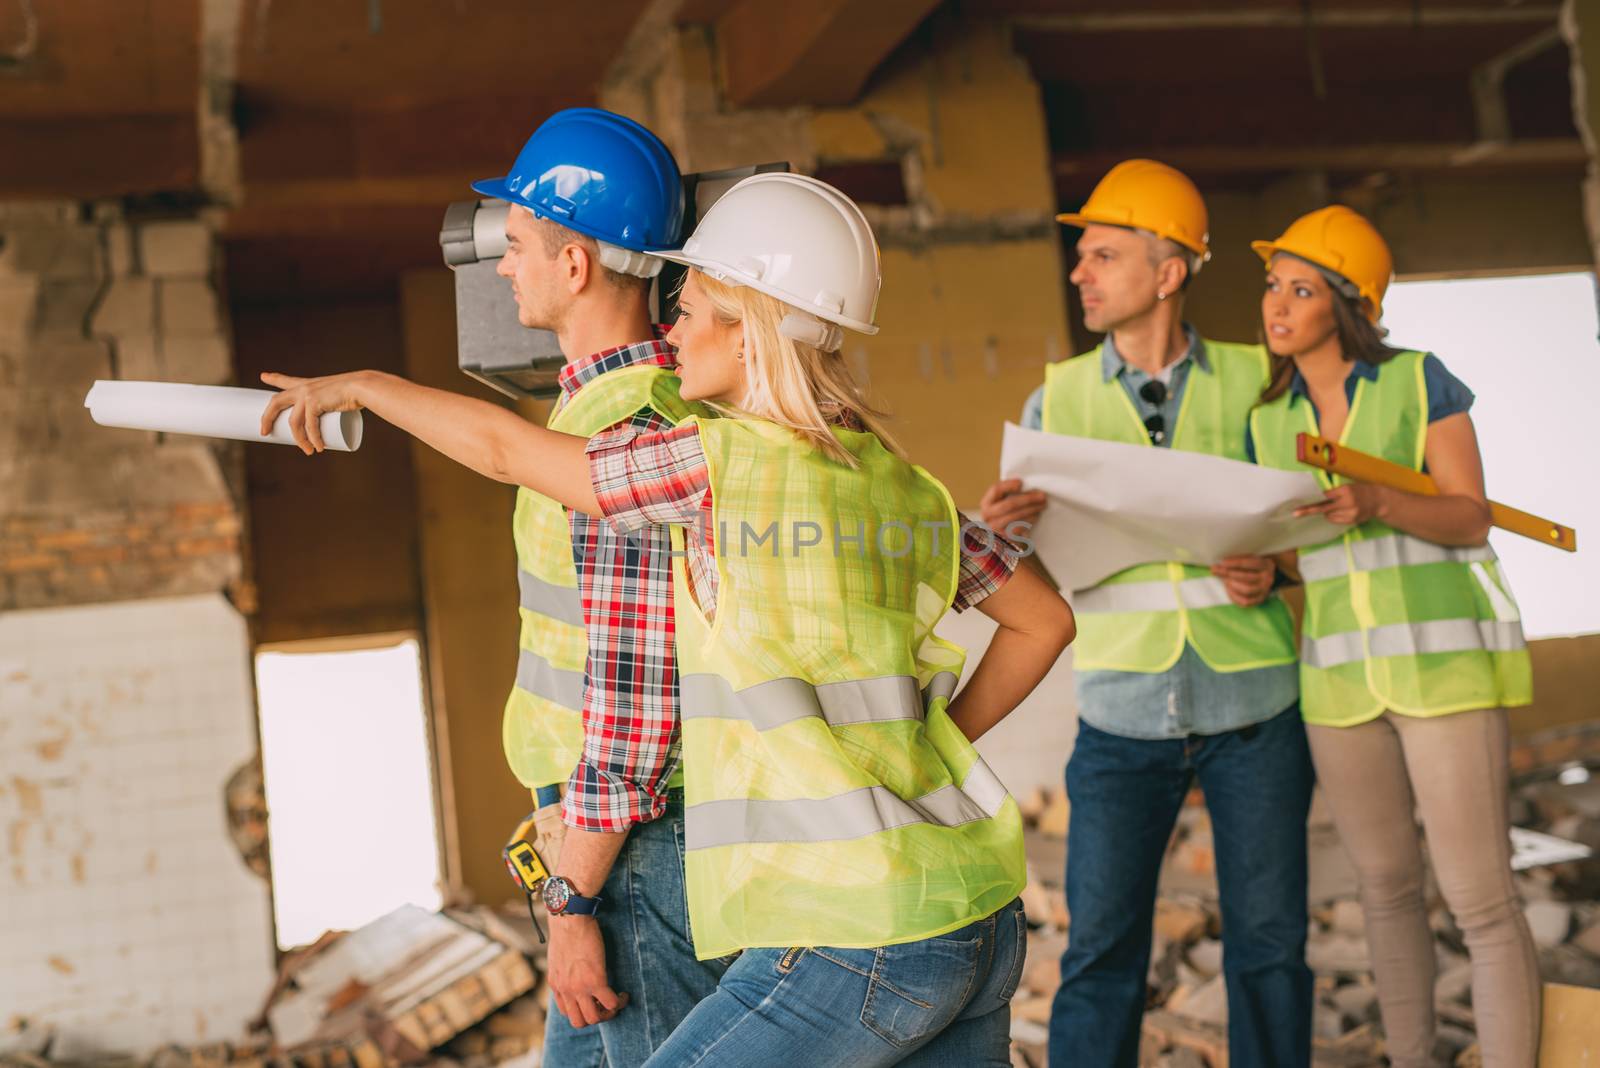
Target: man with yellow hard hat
1183 672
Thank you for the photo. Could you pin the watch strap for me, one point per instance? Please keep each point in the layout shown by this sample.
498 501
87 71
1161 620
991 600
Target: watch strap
578 905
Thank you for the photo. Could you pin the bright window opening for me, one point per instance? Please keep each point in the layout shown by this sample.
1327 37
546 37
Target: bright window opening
1527 347
349 784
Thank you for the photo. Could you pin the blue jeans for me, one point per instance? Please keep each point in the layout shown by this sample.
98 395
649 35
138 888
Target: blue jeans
1125 796
644 920
940 1001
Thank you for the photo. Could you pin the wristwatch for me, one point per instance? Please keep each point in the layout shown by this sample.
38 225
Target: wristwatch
561 899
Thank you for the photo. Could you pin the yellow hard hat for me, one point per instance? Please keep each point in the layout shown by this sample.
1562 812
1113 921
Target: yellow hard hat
1339 240
1150 196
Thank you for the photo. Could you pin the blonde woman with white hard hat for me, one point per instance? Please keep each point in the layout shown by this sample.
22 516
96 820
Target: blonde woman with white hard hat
841 833
1412 648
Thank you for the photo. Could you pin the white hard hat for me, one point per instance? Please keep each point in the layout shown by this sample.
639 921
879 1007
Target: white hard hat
798 240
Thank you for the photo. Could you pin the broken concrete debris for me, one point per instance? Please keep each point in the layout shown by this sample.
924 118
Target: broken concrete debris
464 988
1186 1022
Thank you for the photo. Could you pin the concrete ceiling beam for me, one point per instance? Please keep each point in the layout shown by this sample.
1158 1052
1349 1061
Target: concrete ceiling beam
819 54
1543 152
1396 17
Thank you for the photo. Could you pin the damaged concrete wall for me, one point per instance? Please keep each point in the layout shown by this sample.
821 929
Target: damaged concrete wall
90 514
1438 225
1580 27
129 918
973 303
974 297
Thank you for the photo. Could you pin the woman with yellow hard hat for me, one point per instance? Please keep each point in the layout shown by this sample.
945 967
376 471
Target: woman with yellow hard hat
1412 647
840 832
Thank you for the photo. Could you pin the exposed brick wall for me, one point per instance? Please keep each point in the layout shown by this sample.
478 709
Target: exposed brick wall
90 514
117 554
129 918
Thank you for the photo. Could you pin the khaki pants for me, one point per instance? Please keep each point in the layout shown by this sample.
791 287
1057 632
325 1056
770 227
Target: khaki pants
1452 770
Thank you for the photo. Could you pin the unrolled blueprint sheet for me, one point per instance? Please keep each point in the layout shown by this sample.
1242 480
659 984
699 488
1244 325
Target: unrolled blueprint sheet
210 411
1112 506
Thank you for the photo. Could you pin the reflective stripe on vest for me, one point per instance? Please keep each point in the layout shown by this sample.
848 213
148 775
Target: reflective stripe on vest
541 678
1162 607
560 603
542 728
856 814
1152 596
1393 550
1380 633
768 705
1413 639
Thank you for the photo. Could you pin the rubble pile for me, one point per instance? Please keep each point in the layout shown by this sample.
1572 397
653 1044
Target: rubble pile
460 987
464 988
1556 813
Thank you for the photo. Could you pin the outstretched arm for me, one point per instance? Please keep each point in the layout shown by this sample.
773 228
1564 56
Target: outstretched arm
485 437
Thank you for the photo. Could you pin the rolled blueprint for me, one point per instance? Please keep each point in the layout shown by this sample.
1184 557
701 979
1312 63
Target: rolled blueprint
209 411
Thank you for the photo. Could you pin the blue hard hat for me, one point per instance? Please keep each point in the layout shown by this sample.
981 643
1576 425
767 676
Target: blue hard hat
600 174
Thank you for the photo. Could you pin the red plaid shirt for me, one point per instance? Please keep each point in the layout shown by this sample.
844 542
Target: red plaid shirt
630 697
643 479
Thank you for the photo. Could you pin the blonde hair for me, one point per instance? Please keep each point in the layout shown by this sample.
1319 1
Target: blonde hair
789 382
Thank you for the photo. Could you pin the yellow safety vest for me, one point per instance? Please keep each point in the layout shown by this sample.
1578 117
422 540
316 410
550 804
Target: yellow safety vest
1139 619
1393 621
830 801
542 730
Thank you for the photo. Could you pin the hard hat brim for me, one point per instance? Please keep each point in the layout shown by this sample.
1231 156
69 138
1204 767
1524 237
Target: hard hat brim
1081 220
498 189
727 275
1268 249
495 188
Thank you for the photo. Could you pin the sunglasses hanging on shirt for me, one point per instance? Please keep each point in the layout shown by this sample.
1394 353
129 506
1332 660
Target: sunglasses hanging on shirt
1154 392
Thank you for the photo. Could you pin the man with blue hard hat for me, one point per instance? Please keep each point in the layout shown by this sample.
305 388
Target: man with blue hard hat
595 704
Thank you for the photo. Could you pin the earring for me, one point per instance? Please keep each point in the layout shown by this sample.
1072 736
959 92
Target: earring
1160 295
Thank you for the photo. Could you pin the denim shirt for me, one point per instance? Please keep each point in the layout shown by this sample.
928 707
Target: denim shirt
1190 697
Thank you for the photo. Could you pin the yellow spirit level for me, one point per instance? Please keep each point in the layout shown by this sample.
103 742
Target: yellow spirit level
1358 466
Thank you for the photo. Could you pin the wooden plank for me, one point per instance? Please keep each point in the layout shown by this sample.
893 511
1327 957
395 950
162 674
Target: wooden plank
497 983
820 53
461 960
1290 18
474 995
1571 1032
412 1030
520 972
454 1008
435 1023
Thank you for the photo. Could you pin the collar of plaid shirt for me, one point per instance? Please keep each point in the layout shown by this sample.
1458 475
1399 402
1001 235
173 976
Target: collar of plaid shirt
574 376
